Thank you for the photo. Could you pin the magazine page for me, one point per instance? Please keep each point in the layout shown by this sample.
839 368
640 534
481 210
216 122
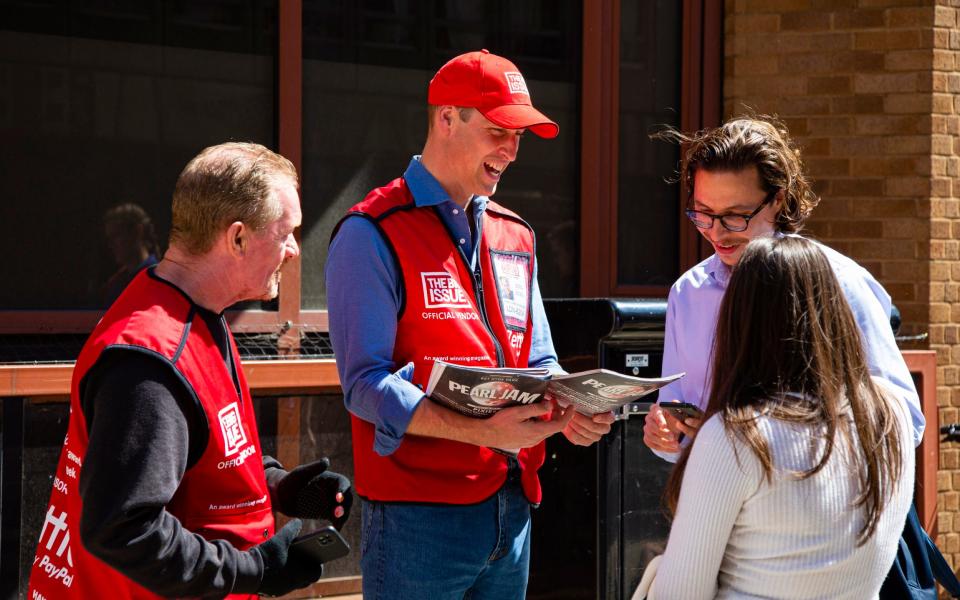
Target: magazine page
600 390
481 392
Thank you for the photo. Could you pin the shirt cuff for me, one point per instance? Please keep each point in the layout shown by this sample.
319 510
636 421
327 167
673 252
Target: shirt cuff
394 416
249 573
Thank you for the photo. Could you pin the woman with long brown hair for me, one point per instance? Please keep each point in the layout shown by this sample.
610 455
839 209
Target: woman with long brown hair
799 481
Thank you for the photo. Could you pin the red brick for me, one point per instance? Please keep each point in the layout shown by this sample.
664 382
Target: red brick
815 146
797 126
857 229
883 83
857 104
907 186
807 63
907 60
887 39
886 3
832 4
907 103
882 166
885 207
804 105
818 42
775 6
884 249
910 17
894 228
889 124
829 85
832 207
857 146
857 61
825 126
861 18
908 270
750 24
755 65
805 21
820 168
906 144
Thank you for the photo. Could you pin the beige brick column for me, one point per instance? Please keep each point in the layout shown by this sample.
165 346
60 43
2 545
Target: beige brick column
869 89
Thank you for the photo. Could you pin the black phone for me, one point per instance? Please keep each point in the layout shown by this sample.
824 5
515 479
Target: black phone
323 545
682 410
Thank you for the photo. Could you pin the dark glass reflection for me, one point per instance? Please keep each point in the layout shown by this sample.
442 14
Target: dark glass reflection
647 210
366 69
103 105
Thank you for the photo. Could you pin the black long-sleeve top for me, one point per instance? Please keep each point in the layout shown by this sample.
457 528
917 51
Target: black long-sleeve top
145 431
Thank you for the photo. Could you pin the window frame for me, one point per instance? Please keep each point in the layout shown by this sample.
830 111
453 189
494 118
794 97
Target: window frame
701 100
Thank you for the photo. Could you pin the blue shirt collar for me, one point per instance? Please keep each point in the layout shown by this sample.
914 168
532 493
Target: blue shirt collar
719 270
427 191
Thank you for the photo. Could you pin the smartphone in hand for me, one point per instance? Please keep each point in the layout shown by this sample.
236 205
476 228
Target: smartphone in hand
323 545
682 410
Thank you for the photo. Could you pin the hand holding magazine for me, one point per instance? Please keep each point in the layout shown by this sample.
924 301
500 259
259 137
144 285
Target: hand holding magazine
480 391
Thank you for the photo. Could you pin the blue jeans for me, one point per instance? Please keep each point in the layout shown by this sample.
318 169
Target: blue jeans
447 552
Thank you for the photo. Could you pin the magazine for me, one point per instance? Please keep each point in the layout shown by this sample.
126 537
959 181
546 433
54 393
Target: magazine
481 392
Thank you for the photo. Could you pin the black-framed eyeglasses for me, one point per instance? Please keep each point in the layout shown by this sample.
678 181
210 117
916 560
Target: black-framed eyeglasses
735 223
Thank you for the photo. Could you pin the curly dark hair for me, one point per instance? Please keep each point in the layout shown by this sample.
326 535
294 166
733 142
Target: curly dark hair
761 141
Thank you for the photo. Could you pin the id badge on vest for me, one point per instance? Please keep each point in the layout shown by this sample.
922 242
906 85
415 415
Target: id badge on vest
511 272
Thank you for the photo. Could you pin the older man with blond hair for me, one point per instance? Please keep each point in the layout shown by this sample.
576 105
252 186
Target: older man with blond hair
161 488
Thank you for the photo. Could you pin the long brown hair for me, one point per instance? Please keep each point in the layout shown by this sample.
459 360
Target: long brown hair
787 346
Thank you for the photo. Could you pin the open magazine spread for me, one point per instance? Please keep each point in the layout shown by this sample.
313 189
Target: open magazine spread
481 392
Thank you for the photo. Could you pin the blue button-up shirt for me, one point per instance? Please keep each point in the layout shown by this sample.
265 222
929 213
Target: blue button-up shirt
694 304
364 295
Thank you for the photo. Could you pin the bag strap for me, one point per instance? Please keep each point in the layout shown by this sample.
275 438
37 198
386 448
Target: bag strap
941 570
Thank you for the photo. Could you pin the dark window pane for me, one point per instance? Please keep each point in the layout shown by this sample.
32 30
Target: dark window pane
103 104
647 225
366 70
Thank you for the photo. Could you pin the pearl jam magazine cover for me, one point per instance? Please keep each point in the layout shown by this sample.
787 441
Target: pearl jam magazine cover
481 391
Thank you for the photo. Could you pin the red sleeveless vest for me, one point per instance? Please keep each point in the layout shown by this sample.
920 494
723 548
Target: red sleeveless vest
458 315
223 496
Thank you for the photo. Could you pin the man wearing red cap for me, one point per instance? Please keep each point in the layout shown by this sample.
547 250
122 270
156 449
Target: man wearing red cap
427 268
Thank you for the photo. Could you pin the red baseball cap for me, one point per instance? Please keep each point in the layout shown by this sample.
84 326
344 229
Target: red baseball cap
494 86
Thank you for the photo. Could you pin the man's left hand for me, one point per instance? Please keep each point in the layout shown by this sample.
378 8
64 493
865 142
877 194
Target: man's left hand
584 430
311 491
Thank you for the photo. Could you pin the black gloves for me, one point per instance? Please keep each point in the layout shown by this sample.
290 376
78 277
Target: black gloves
312 492
284 568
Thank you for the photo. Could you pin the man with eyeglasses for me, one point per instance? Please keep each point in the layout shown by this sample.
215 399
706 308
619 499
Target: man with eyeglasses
746 180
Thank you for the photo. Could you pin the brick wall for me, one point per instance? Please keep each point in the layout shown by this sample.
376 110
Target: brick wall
869 89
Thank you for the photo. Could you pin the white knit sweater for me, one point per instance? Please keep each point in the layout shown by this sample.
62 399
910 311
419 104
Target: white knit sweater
736 536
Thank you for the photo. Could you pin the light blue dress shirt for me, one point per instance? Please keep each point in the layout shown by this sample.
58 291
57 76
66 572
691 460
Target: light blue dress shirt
364 295
693 306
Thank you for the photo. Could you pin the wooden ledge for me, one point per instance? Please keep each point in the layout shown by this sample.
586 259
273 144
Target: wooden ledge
266 377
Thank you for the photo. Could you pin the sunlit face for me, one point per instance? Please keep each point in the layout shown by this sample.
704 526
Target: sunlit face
727 193
479 153
271 247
